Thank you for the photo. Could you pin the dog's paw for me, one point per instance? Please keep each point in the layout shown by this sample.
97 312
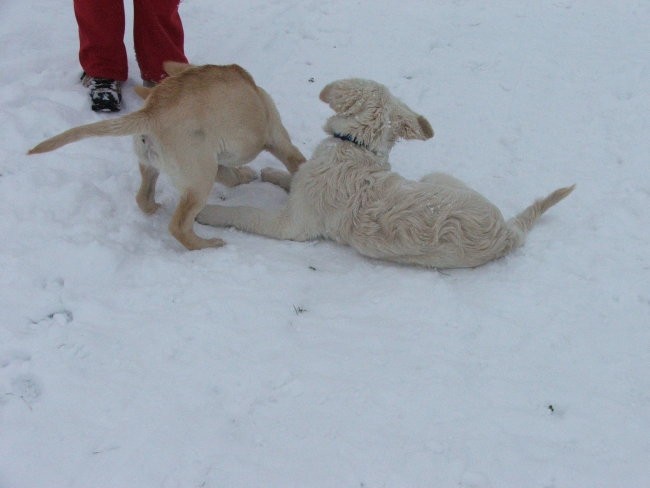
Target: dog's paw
215 242
235 176
209 215
245 175
277 177
149 208
267 174
195 243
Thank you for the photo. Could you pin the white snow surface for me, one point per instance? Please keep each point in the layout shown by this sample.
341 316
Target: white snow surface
128 361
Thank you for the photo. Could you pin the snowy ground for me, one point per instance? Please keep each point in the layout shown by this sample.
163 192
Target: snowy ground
127 361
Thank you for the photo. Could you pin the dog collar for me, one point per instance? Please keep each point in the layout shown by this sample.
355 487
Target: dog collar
353 140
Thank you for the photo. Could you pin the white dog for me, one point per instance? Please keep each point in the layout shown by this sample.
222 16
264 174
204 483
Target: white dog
346 192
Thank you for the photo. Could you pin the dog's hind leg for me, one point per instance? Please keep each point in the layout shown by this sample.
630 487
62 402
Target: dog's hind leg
148 151
146 193
289 154
279 143
277 177
182 224
195 185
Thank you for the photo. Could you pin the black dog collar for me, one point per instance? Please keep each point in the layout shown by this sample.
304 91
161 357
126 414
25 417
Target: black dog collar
353 140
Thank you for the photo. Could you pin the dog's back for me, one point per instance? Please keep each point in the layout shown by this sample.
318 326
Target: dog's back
449 226
438 222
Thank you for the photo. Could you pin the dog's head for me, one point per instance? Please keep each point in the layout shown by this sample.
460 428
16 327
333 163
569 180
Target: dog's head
366 111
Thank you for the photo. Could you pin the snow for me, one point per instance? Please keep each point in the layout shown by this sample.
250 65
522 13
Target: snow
126 360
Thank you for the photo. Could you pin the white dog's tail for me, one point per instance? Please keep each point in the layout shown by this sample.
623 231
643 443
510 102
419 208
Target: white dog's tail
134 123
523 222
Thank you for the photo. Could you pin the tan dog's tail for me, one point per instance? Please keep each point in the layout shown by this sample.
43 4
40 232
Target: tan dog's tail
135 123
524 221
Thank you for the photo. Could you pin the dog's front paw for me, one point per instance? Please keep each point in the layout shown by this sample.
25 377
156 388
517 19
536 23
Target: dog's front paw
277 177
235 176
268 174
246 174
209 215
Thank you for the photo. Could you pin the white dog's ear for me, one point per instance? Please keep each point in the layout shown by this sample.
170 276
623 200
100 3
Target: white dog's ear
413 126
343 95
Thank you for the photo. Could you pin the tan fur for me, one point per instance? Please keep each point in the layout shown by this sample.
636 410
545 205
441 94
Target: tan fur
347 193
197 125
142 91
173 68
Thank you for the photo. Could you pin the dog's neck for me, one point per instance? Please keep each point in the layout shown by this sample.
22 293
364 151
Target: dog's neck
344 129
379 160
352 139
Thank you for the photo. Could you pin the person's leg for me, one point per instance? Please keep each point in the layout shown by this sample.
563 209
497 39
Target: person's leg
158 36
101 38
102 54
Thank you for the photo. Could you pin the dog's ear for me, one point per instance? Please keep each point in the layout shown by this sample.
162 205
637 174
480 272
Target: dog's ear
175 68
412 126
142 91
343 95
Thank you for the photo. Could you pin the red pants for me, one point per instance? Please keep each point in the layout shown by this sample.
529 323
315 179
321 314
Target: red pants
157 34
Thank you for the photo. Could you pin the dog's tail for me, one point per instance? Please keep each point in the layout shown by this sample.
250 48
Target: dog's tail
134 123
523 222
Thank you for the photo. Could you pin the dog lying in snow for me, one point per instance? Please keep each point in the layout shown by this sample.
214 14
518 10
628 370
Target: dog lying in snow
198 125
347 193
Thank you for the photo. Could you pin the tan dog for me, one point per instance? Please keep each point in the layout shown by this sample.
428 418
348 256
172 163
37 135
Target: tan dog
196 126
347 193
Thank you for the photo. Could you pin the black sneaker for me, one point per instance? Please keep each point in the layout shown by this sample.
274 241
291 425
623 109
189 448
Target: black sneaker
105 94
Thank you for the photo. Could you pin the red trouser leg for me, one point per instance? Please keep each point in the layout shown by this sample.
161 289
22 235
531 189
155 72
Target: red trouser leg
101 38
158 36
